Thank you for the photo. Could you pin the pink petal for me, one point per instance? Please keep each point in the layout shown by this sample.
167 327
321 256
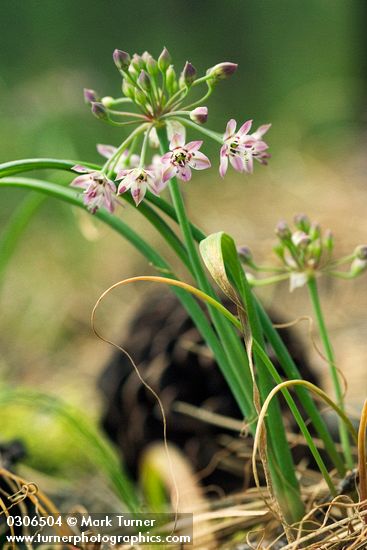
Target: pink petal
249 164
184 173
160 185
237 163
106 150
169 173
81 169
230 129
166 157
223 151
193 146
199 161
261 131
261 146
223 166
244 128
150 173
81 181
121 188
138 191
178 140
109 202
122 174
111 185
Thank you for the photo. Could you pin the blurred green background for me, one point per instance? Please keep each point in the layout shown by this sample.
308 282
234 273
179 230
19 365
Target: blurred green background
302 67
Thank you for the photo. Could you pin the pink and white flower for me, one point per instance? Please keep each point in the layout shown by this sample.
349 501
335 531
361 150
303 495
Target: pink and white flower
138 181
240 148
99 191
181 158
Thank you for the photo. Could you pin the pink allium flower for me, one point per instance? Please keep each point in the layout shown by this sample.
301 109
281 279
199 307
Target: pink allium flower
240 148
138 181
99 191
181 158
108 150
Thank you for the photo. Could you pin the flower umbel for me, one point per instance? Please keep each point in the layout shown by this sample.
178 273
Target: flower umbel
99 191
181 158
154 97
306 253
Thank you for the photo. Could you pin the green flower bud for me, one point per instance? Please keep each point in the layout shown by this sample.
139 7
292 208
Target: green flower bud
282 231
245 255
140 97
152 66
188 75
222 70
329 240
121 60
144 81
279 250
315 249
302 222
171 80
137 62
358 266
361 252
315 231
90 96
164 60
128 90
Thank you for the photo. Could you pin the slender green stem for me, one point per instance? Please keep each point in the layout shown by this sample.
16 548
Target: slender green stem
201 100
144 148
127 114
268 280
344 438
176 97
121 124
291 371
341 274
202 79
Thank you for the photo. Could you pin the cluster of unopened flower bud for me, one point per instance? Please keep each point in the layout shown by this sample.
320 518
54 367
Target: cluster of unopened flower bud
304 251
306 248
154 87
